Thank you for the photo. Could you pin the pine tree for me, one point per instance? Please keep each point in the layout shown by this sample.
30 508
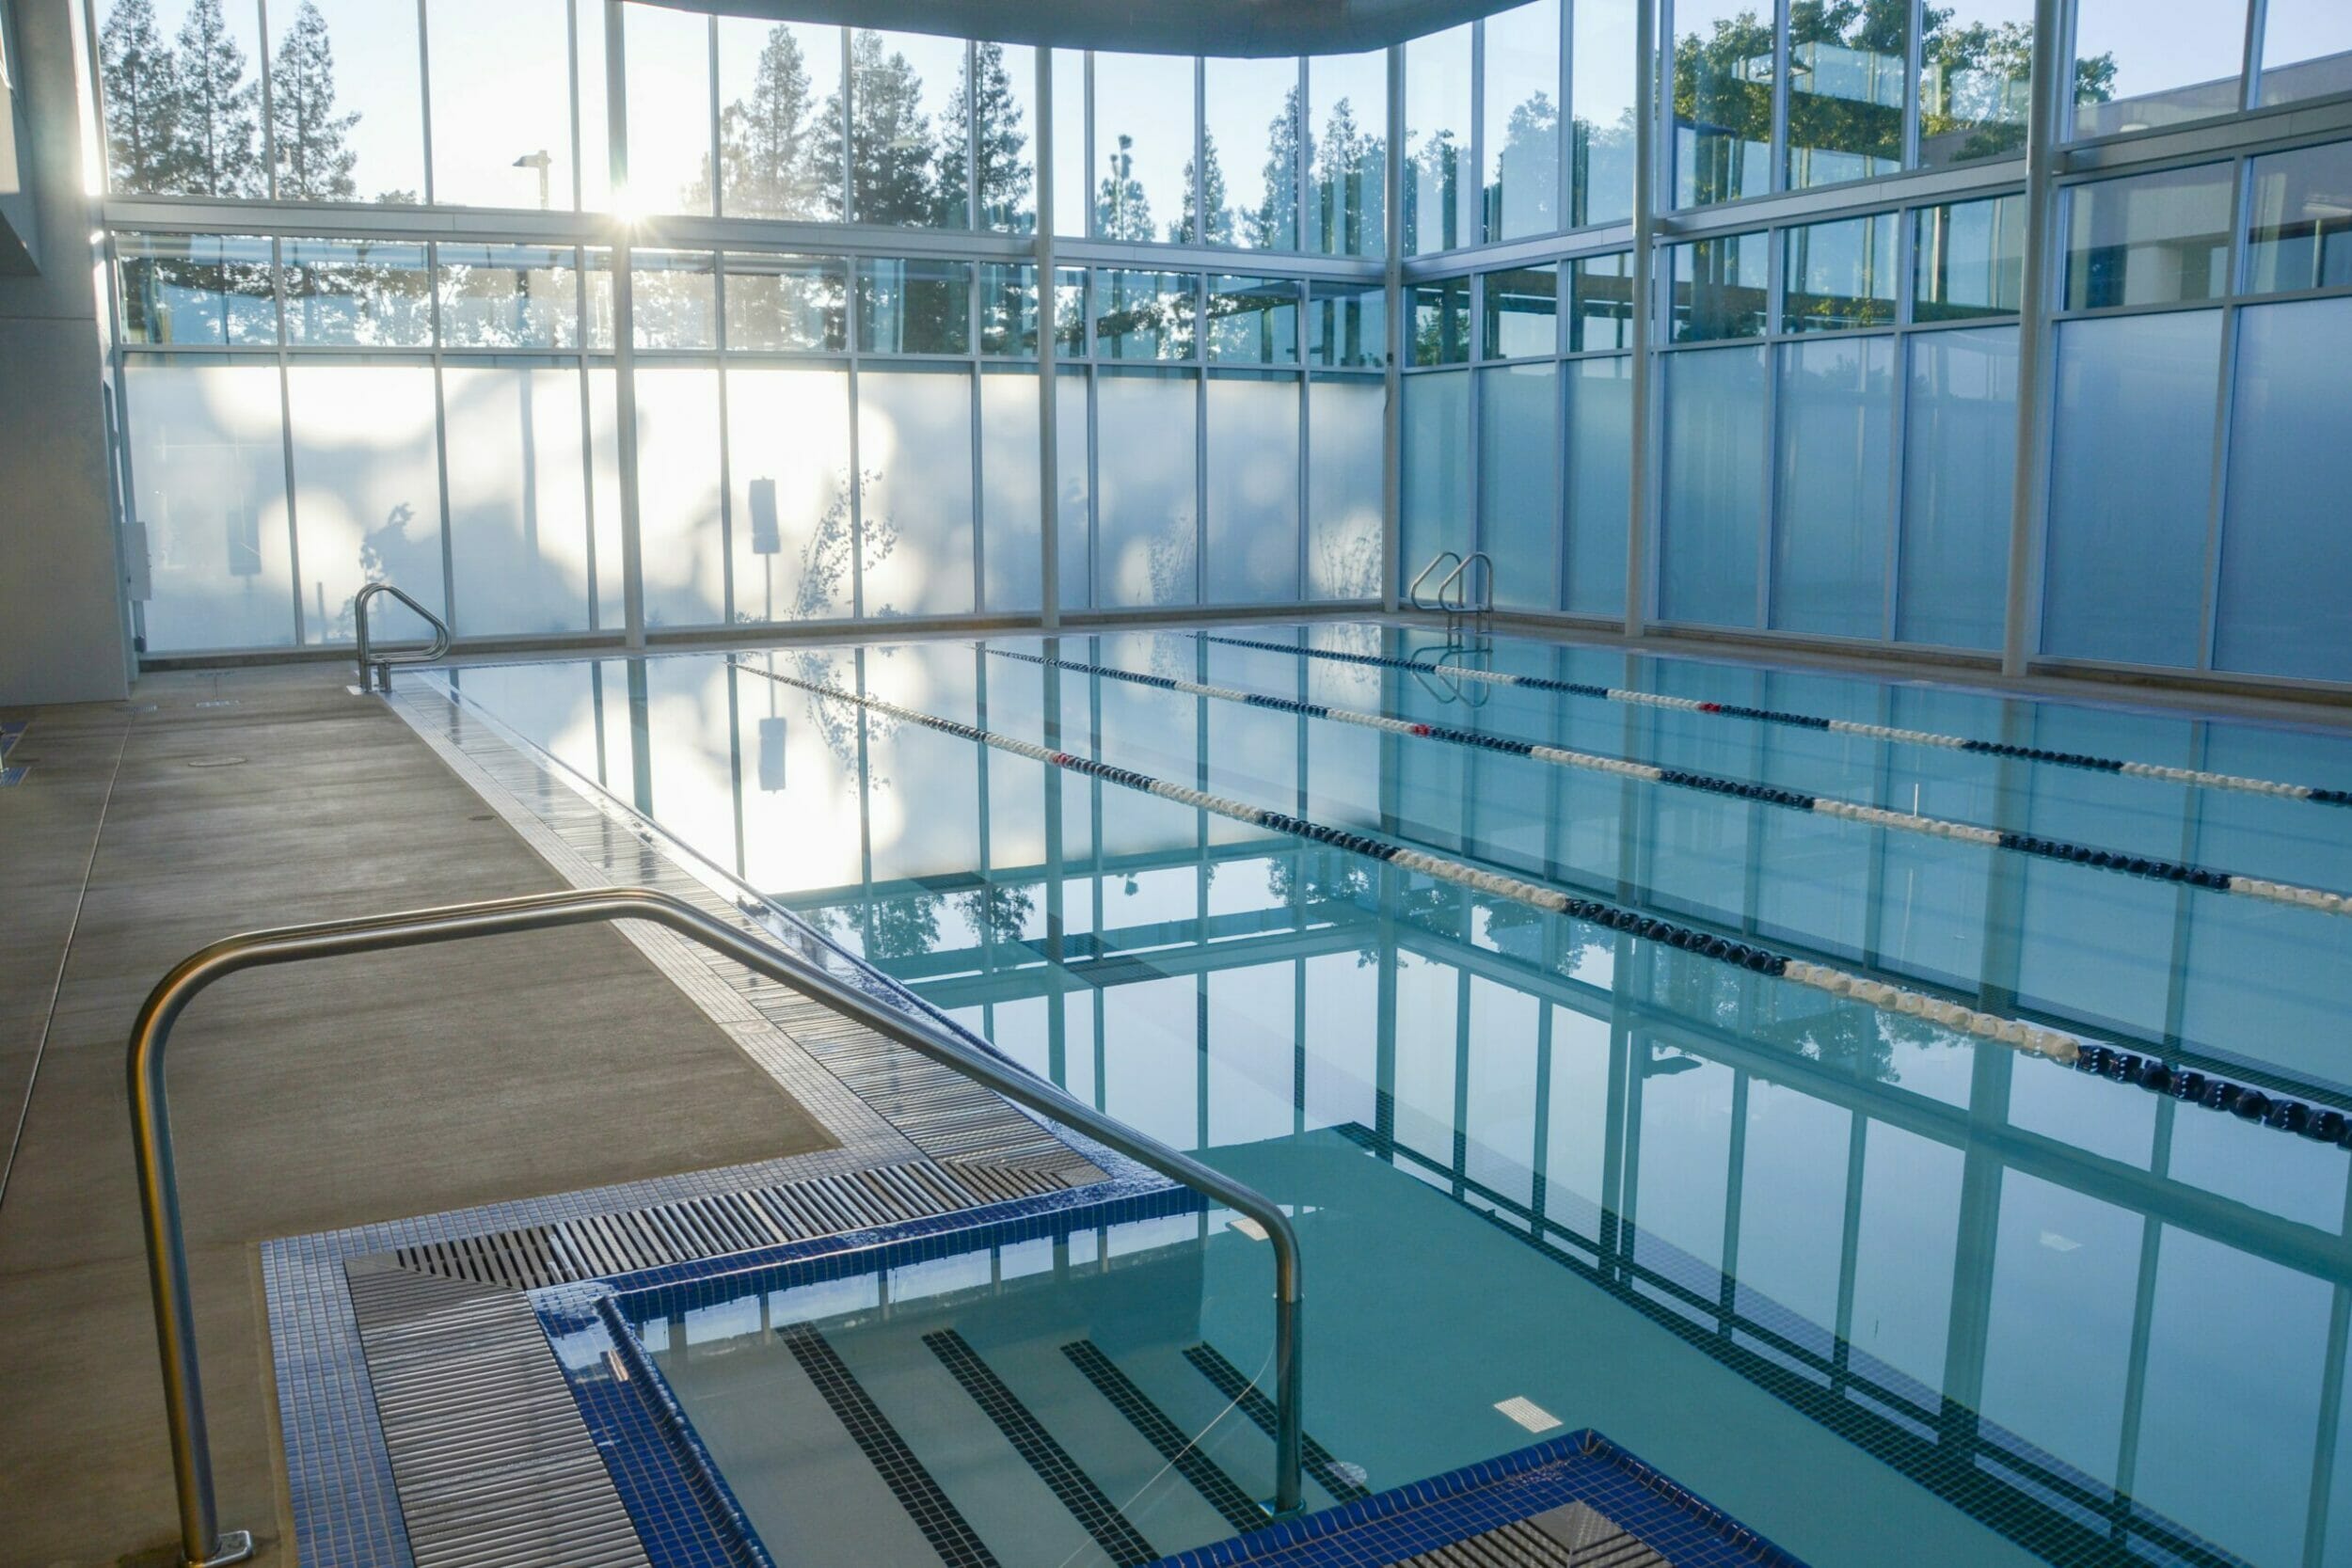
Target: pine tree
142 87
771 168
1273 224
219 144
1005 175
1347 200
315 159
890 138
1122 210
1220 228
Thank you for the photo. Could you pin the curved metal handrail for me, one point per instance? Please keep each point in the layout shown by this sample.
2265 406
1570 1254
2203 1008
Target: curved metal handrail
1412 594
200 1536
1461 592
384 662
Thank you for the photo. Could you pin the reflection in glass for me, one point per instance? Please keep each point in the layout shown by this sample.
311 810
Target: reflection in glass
1840 274
367 493
1143 136
196 288
1522 120
1976 64
1969 259
789 502
517 501
1144 433
1250 508
1344 429
509 295
1250 154
1347 118
1712 469
1847 67
1833 467
1069 312
913 306
2307 49
1600 302
1723 101
1003 130
1346 326
1959 461
1143 315
2149 239
501 104
913 434
1438 171
1521 312
907 137
346 112
785 304
2140 64
1008 310
779 125
1441 325
1719 288
2299 225
366 293
1601 75
674 298
209 459
1254 321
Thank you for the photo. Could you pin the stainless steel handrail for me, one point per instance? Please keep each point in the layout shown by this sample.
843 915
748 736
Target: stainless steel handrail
200 1537
1461 594
1412 594
384 662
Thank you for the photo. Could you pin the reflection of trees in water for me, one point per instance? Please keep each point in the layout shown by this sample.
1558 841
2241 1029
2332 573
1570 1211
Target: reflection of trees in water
998 912
905 927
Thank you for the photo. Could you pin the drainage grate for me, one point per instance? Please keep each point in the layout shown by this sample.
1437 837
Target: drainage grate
567 1251
1572 1536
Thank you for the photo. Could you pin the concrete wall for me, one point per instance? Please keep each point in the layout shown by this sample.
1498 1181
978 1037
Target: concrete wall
62 631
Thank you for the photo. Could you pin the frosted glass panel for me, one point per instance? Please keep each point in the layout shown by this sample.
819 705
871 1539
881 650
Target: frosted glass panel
1832 486
518 499
604 448
208 458
788 465
1518 482
678 493
1252 496
1074 479
1010 502
2285 550
1343 469
914 447
1599 483
1960 457
1713 464
1145 431
1436 459
367 494
2131 469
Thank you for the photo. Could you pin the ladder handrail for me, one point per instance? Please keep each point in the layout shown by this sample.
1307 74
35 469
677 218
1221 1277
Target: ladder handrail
1461 594
200 1536
384 662
1412 594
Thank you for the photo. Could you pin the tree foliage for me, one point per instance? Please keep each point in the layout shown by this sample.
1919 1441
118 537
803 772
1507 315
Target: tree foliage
313 151
218 150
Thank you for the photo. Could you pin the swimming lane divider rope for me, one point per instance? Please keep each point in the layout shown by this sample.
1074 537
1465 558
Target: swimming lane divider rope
1850 811
2248 1103
2192 776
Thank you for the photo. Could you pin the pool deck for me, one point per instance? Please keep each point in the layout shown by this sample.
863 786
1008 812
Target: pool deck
306 1099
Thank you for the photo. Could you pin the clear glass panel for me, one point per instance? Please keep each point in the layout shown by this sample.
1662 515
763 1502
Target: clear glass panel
786 304
788 473
1712 469
2149 239
1719 288
1071 178
368 294
1600 302
1834 487
1435 459
352 134
1968 260
501 104
1143 134
1073 476
1960 457
2131 472
2140 64
1723 101
906 307
2307 49
674 298
779 120
1346 326
1346 421
1521 312
1254 321
1143 315
1601 75
1519 481
669 111
2285 551
1599 483
1252 498
518 498
1008 310
1976 65
914 452
184 99
367 494
1522 121
1847 69
1070 312
1144 438
2299 229
1441 323
209 459
1004 114
677 495
196 288
1438 171
1252 154
907 142
1347 118
1837 276
1010 500
509 295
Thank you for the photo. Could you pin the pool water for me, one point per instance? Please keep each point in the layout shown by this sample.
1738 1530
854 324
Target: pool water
1884 1290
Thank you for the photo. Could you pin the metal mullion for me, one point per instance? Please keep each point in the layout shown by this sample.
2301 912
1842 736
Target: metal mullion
1200 234
2225 408
980 509
425 93
1302 177
269 117
587 413
571 69
1393 298
1477 225
2250 72
1201 432
712 204
1564 182
1300 591
972 211
440 432
1086 187
1780 154
1560 384
285 440
1915 85
848 214
1647 429
857 471
726 455
1899 454
1776 276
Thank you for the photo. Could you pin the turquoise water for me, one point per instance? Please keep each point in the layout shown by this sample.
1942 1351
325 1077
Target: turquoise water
1882 1292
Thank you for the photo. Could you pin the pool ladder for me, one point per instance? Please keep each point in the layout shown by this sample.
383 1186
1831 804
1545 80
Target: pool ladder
202 1539
383 662
1452 596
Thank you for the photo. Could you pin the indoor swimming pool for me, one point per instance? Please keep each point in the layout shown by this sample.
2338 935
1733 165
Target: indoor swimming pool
1908 1117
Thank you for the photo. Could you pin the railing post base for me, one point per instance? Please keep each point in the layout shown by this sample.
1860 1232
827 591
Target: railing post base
234 1545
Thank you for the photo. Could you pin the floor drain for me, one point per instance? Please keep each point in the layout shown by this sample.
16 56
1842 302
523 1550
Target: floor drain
216 762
